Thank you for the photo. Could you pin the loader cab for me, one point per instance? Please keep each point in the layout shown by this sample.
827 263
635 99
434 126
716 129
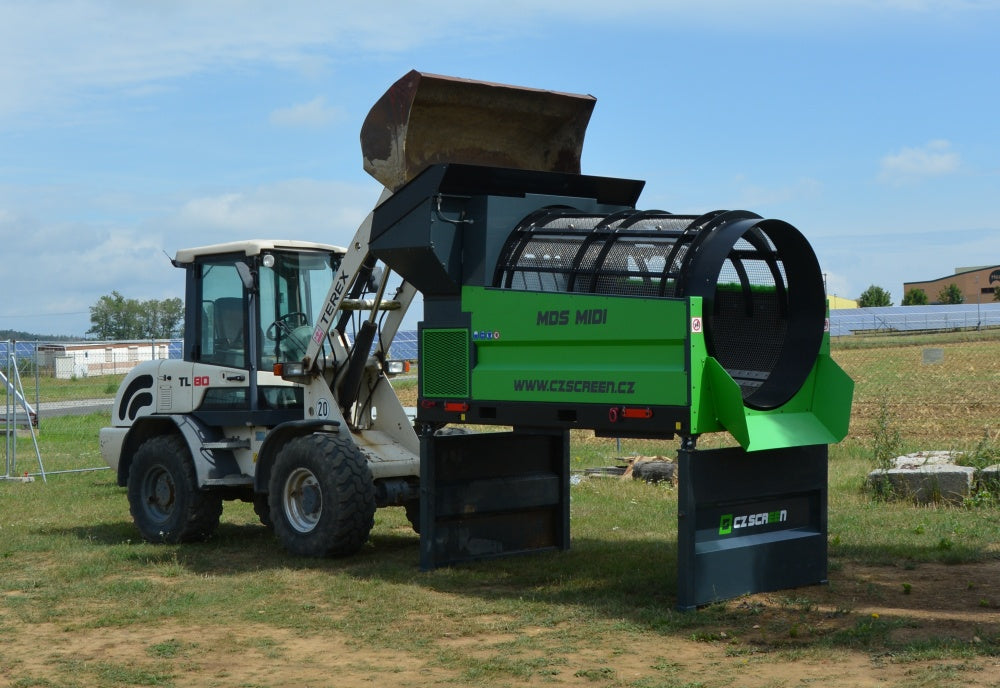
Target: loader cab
253 304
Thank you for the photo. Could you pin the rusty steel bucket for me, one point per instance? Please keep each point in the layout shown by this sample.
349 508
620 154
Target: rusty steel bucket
424 119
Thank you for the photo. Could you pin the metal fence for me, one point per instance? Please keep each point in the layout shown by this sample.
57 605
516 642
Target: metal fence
896 319
54 396
941 389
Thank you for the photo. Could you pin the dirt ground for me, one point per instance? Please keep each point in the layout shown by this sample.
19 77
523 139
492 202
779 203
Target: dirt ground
774 639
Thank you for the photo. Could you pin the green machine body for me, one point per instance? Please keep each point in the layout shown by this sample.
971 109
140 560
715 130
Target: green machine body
551 302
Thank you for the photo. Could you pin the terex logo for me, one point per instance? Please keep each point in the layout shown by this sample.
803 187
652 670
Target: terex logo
730 522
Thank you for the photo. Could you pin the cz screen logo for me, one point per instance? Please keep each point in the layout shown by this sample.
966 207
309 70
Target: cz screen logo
728 522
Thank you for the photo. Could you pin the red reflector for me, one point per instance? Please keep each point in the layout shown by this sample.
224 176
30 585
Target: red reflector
641 413
456 406
427 403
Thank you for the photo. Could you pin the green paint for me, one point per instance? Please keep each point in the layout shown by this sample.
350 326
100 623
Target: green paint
584 348
561 347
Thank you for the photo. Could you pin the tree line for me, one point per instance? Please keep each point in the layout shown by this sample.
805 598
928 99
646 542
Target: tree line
117 317
877 296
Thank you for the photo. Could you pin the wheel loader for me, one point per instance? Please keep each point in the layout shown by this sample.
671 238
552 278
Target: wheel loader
550 304
283 397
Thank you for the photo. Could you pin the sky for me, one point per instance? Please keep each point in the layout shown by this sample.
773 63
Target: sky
129 130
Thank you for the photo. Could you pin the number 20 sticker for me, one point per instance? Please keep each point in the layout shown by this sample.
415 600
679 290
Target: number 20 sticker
322 408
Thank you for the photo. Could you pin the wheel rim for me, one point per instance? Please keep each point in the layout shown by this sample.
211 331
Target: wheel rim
302 500
160 493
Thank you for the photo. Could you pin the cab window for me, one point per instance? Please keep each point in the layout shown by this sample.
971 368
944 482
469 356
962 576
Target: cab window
292 292
223 315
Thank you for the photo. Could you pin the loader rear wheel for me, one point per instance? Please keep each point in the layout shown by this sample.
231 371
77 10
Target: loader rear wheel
163 494
322 496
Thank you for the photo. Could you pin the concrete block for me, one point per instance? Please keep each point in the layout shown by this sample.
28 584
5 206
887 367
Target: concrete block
989 478
925 458
926 484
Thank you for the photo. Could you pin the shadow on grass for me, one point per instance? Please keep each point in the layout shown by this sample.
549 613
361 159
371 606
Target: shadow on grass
630 583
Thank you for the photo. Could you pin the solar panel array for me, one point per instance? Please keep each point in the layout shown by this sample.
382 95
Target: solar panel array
25 350
404 346
848 321
843 322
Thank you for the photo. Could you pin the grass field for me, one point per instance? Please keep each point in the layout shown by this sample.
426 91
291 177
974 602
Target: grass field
947 404
913 597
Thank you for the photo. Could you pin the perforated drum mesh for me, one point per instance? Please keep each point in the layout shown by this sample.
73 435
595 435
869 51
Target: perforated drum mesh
625 254
750 314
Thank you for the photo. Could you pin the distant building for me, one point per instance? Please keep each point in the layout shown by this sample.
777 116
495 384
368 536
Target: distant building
977 284
68 360
839 302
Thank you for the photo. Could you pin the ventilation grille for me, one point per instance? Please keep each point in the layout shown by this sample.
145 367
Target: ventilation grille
165 399
444 363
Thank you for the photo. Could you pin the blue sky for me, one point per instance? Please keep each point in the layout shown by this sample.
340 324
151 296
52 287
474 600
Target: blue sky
132 129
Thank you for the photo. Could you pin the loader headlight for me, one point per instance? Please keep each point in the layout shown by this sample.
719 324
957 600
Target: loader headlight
397 367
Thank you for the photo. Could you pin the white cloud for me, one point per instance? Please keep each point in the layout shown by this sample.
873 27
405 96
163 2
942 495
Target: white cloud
838 285
56 270
306 209
888 262
55 52
934 159
314 114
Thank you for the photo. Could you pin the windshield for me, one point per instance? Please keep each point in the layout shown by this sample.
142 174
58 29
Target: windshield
292 290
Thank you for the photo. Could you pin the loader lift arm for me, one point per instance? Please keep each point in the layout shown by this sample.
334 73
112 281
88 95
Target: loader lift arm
424 119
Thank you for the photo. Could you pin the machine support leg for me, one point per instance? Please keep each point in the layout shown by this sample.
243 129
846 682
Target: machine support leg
750 522
486 495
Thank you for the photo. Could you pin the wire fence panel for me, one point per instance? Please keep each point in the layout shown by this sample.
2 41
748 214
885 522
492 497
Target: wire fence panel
966 316
942 390
69 389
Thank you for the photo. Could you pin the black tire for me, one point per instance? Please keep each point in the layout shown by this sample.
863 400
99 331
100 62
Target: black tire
262 507
322 496
163 495
413 514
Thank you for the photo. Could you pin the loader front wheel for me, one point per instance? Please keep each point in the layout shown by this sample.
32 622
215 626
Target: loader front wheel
322 496
262 507
163 494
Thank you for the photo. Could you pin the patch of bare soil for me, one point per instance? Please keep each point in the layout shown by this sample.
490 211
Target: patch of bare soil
832 635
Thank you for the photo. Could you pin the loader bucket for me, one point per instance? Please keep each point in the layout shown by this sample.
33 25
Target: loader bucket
425 119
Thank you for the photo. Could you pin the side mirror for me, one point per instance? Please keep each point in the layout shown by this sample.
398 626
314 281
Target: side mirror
246 276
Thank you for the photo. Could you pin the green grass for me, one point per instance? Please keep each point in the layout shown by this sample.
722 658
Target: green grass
64 442
890 340
50 388
70 558
72 563
943 405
